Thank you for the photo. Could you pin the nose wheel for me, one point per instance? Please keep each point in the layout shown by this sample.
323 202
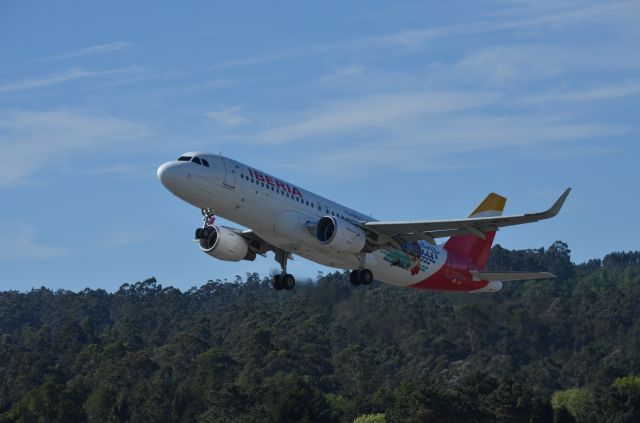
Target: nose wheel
284 280
361 277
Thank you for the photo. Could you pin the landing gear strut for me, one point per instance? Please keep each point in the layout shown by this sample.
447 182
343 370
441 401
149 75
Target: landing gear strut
283 280
361 277
208 219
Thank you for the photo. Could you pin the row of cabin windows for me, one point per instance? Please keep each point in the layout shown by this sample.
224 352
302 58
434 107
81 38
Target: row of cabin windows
196 160
277 190
283 192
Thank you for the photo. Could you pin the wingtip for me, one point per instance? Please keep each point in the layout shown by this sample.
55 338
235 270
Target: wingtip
559 202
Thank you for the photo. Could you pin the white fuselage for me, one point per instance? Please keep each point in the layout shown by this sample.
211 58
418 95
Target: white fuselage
278 212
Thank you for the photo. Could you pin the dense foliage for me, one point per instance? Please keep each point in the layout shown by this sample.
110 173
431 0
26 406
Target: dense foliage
563 350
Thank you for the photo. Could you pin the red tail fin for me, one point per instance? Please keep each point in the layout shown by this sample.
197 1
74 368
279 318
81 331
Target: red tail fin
470 246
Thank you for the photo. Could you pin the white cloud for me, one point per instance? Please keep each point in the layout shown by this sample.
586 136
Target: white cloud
91 50
374 112
605 92
227 117
255 60
31 140
347 72
70 75
20 241
449 143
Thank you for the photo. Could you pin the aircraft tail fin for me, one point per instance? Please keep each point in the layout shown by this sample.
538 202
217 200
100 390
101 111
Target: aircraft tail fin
477 247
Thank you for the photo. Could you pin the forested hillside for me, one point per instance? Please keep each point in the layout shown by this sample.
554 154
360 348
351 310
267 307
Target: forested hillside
563 350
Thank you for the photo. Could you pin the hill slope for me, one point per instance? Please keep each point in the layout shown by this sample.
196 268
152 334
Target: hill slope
330 352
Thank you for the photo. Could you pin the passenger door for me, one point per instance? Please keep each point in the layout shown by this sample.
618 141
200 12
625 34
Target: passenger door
230 173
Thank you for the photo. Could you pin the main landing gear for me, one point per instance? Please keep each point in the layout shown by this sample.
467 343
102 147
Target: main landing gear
284 280
361 277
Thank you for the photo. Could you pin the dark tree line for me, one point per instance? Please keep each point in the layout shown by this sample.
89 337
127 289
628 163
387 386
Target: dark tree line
562 350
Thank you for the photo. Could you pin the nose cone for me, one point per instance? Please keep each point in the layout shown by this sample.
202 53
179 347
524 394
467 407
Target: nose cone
168 174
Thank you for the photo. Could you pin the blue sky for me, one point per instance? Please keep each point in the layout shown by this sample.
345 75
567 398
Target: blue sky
403 110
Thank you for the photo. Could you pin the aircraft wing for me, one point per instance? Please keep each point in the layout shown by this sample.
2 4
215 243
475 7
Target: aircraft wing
428 230
507 276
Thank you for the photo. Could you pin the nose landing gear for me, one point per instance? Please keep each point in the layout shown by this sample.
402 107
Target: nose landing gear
284 280
208 217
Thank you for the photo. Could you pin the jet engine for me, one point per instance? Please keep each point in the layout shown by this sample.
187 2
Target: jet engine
340 235
224 244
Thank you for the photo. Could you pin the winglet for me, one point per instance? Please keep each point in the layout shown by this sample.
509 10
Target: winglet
558 204
493 205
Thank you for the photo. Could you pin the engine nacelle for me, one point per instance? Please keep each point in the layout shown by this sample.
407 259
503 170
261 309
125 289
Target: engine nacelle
340 235
224 244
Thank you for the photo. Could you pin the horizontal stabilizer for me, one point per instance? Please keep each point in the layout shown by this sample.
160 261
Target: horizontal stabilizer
510 276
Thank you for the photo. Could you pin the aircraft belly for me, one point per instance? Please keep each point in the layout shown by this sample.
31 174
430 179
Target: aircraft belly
415 263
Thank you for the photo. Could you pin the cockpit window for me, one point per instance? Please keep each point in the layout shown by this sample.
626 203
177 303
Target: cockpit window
196 160
184 158
204 162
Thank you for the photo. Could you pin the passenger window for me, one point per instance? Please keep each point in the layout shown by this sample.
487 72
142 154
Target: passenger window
204 162
197 160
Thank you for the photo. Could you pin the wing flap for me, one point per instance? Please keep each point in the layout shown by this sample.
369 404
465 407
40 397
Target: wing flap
510 276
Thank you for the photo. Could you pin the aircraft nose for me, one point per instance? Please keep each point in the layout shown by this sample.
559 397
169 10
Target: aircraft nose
168 174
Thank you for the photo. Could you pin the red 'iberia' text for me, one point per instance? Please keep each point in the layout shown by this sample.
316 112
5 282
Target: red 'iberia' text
259 176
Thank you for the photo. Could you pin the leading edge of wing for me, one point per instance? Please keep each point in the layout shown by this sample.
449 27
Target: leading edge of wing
392 228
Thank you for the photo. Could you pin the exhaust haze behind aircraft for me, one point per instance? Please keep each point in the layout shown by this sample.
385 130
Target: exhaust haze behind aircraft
286 219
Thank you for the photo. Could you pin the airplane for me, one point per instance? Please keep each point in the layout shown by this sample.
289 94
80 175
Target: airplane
286 219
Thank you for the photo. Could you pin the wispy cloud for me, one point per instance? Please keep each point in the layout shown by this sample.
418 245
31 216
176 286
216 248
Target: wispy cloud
545 17
20 241
522 17
347 72
253 60
227 117
373 113
91 50
30 140
452 142
605 92
70 75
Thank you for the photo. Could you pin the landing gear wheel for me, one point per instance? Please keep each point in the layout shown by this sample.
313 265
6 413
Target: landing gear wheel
203 233
354 277
276 282
288 281
366 277
280 282
284 280
361 277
